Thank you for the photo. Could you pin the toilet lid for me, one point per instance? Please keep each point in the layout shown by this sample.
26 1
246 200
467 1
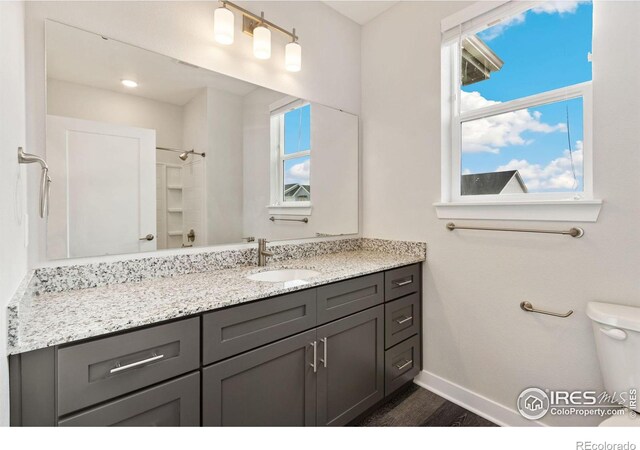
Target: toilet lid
624 420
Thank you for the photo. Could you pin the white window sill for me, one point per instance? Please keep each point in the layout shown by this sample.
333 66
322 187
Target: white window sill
290 210
556 210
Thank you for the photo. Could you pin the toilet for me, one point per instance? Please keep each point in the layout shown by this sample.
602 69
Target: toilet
617 335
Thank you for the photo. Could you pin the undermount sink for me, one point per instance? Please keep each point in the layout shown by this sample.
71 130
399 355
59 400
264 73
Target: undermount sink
283 275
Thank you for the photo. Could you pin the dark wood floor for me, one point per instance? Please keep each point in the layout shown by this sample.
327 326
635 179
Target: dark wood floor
418 407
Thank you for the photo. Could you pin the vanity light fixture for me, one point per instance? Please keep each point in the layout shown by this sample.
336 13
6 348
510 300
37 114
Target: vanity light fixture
223 25
293 56
129 83
260 29
262 41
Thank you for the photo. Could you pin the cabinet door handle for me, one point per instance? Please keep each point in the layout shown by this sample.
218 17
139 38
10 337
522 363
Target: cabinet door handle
323 360
405 364
402 283
404 320
119 368
314 364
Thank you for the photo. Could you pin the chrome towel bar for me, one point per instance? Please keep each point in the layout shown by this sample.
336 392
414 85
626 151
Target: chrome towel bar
528 307
305 220
575 232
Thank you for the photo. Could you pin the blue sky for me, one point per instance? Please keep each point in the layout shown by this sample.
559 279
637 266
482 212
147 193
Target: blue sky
543 49
297 137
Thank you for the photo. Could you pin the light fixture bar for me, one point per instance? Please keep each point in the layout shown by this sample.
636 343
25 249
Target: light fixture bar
260 19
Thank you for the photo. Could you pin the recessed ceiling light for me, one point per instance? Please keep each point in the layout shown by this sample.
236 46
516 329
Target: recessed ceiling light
129 83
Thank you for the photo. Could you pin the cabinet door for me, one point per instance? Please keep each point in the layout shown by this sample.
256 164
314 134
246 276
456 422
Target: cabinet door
172 404
274 385
350 366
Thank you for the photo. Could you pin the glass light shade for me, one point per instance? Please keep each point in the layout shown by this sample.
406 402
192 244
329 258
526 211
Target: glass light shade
293 57
223 26
261 42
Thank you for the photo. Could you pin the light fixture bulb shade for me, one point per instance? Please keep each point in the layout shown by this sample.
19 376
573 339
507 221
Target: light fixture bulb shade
223 26
293 57
261 42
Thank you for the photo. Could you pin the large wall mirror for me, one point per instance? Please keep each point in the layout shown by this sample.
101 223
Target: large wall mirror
149 153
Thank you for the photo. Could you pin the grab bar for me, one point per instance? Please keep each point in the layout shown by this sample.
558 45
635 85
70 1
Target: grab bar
305 220
528 307
575 232
45 180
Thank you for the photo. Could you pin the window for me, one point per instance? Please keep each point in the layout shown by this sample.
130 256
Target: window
291 155
517 106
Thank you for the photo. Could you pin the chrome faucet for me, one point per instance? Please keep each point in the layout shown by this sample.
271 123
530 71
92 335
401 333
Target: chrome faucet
263 254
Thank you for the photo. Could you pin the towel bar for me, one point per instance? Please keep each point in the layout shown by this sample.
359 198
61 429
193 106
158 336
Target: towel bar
528 307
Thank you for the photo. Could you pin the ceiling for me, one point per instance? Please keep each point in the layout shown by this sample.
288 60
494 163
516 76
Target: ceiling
85 58
360 11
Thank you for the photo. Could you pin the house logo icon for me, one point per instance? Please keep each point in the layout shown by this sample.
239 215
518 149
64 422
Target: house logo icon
533 403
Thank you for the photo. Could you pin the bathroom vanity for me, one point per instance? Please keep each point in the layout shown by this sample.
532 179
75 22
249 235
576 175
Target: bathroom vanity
316 353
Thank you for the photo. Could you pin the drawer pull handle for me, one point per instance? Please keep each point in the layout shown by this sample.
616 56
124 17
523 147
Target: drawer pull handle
323 360
314 364
405 364
403 283
404 320
120 368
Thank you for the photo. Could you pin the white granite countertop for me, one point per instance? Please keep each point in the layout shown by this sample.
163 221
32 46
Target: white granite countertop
39 321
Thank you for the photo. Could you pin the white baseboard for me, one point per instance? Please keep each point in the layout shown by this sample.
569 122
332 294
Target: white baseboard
476 403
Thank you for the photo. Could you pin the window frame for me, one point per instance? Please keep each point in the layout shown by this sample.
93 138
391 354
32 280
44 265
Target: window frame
507 206
278 158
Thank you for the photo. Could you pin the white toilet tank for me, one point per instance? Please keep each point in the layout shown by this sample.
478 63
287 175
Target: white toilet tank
617 335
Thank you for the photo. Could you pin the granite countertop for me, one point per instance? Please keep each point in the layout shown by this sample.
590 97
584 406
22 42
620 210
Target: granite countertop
52 318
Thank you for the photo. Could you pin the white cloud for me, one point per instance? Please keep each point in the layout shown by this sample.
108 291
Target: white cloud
558 7
555 176
298 173
493 133
551 7
493 32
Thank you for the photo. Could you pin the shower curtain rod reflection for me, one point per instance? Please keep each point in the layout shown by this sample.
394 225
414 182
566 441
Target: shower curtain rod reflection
183 154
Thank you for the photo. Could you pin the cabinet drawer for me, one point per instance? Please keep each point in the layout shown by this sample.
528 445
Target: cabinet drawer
347 297
402 319
402 281
402 364
105 368
235 330
172 404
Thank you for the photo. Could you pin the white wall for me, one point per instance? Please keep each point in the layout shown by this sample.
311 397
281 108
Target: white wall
13 254
90 103
224 167
475 335
195 135
183 30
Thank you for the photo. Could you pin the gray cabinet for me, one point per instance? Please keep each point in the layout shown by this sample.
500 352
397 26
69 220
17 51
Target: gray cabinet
402 364
319 356
272 386
105 368
402 319
172 404
235 330
351 366
347 297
